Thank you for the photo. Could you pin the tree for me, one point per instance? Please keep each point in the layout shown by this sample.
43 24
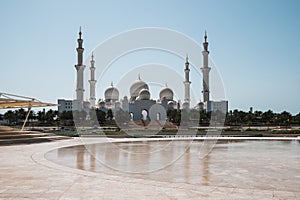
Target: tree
171 114
268 117
297 119
32 115
177 117
204 117
66 115
20 115
238 117
41 116
284 118
101 116
109 114
66 118
49 116
10 116
257 117
249 118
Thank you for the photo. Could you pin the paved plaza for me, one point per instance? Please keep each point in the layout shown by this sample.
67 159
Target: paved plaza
25 173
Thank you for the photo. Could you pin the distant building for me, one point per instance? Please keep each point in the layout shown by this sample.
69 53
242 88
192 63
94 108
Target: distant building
64 105
214 106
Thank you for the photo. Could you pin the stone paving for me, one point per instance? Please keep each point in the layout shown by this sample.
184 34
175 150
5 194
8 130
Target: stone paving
25 173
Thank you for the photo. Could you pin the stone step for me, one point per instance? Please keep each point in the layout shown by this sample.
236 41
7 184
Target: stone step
27 137
6 128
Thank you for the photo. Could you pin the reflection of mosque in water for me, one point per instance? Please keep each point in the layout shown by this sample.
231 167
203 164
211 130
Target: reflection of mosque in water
140 159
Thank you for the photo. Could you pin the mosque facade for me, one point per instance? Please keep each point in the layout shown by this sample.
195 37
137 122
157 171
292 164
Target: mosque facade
139 103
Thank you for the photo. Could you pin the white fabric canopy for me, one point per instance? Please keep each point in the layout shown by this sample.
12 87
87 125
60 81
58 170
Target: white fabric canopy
15 101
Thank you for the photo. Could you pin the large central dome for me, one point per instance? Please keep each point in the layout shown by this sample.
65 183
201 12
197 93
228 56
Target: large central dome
137 86
144 94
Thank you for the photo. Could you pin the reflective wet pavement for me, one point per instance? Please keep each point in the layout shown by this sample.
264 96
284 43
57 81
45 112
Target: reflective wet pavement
268 165
26 173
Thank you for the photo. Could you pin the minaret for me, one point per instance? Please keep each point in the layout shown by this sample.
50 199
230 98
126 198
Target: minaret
80 68
187 81
205 70
92 83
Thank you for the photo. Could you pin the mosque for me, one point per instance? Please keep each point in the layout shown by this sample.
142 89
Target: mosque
139 104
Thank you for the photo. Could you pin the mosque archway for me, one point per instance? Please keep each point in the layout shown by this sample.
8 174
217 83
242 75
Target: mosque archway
144 114
131 116
158 116
157 112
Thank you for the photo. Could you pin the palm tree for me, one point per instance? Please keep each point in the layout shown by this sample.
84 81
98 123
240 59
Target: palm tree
297 118
100 116
109 114
20 114
268 117
10 116
285 118
49 116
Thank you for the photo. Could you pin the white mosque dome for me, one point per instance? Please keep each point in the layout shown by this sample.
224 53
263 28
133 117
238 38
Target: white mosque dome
200 104
171 103
166 93
137 86
111 93
185 105
144 94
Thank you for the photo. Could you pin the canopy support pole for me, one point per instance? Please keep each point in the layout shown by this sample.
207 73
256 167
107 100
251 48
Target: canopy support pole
29 109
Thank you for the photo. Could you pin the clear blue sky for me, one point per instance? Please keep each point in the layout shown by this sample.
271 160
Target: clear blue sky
255 44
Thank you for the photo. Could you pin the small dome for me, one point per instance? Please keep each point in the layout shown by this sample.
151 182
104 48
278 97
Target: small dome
111 93
200 103
186 105
144 94
166 93
171 103
199 106
137 86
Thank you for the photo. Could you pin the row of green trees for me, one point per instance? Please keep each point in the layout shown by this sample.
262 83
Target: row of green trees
17 117
232 118
239 118
268 118
54 118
